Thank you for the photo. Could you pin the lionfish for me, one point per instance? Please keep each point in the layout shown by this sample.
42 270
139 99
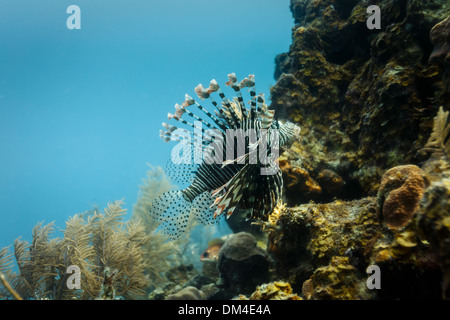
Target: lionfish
231 164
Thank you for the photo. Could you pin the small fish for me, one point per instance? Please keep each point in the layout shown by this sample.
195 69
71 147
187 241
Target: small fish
223 173
212 252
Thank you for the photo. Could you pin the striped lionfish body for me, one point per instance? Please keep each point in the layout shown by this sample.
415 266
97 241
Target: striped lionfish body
228 158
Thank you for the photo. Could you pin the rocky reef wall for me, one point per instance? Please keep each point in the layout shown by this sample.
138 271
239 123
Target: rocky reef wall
361 189
365 99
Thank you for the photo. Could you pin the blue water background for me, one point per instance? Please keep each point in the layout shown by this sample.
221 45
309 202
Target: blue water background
81 110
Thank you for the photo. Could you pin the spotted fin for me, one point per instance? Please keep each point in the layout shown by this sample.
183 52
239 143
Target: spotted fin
203 209
172 211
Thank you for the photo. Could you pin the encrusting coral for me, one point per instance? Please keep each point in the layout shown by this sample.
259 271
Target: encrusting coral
338 280
277 290
366 110
324 249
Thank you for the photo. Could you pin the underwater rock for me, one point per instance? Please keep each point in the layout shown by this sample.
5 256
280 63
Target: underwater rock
278 290
209 269
181 274
440 37
338 280
177 278
188 293
288 92
298 182
242 264
398 198
363 98
434 225
239 222
309 235
182 277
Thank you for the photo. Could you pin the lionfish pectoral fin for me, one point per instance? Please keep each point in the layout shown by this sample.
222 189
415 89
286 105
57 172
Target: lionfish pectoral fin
219 210
233 193
216 192
230 211
203 209
172 211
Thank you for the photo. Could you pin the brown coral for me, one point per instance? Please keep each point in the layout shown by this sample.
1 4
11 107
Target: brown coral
298 181
400 191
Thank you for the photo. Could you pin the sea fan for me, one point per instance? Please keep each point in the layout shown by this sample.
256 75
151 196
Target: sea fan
110 253
438 143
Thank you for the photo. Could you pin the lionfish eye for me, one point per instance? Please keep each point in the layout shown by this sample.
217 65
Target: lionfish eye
205 254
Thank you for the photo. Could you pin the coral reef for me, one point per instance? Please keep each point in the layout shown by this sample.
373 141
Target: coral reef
338 280
310 235
324 250
440 37
434 225
363 98
360 190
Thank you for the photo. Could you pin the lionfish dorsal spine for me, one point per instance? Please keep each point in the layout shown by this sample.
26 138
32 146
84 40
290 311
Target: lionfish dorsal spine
237 89
217 121
234 117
